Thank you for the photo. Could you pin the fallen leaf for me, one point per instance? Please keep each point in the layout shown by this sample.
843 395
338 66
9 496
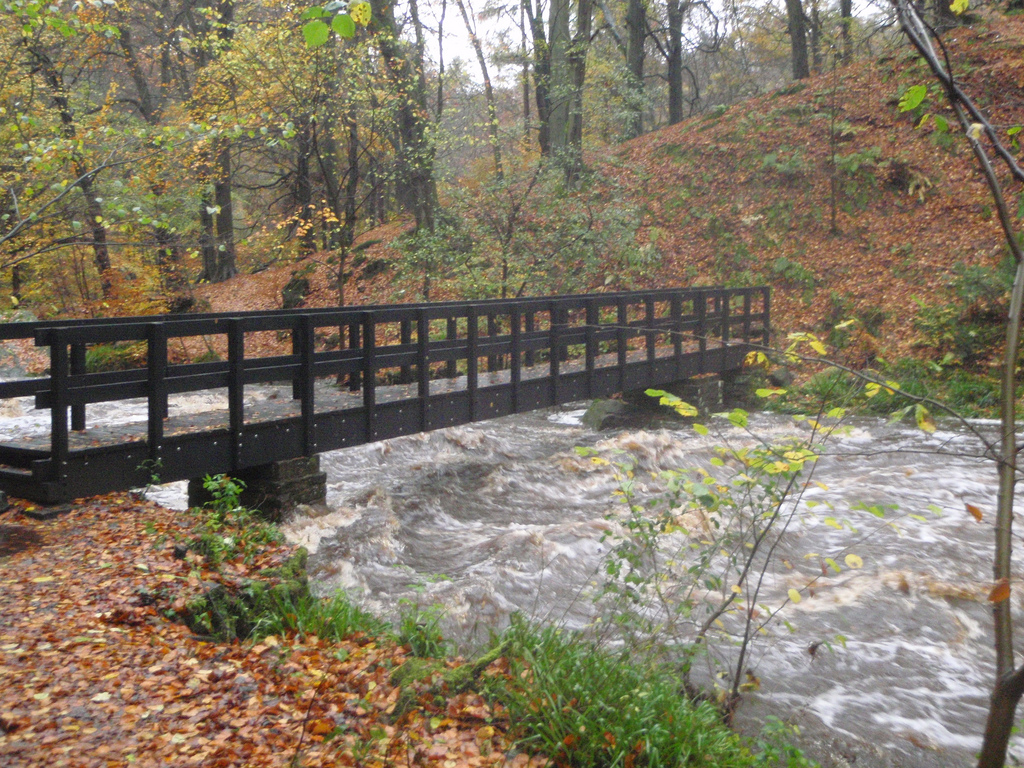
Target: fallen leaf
1000 591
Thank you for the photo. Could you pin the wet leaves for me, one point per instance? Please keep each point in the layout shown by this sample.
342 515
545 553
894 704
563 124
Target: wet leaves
91 667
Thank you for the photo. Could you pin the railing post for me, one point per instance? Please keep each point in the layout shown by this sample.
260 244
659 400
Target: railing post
529 329
305 382
423 367
236 388
726 330
676 311
451 370
353 343
621 341
296 352
593 318
766 317
77 369
554 343
156 366
702 327
746 316
493 363
405 374
59 406
472 332
370 375
516 373
651 337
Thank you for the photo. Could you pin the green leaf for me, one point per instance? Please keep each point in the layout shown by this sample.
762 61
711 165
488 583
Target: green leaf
316 33
913 97
941 124
316 12
343 25
738 417
700 429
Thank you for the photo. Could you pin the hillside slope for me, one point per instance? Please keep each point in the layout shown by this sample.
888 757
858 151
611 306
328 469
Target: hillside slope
745 195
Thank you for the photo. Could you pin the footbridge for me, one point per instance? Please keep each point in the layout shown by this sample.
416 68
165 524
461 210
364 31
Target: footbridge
351 376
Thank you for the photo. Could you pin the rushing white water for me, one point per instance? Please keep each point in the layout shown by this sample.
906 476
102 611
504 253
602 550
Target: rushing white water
504 516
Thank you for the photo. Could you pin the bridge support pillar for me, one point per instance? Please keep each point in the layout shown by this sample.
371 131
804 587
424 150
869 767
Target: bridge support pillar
738 389
274 489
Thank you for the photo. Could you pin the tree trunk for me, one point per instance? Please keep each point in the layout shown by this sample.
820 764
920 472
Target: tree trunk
675 61
94 211
559 88
577 61
225 217
302 189
636 31
845 21
416 188
492 107
541 75
814 23
798 38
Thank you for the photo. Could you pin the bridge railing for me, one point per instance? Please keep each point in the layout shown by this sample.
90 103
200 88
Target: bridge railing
413 345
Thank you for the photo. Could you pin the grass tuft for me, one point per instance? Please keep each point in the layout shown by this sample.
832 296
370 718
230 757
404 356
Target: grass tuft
584 706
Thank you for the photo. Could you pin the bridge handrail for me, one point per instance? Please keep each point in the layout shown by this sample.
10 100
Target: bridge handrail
30 329
523 330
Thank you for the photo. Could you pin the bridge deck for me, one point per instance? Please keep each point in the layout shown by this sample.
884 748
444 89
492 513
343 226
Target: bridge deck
408 368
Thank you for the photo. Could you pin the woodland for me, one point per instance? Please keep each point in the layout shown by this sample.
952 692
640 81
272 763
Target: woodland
171 156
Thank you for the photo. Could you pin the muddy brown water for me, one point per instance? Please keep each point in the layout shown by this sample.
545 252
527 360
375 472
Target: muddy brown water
503 516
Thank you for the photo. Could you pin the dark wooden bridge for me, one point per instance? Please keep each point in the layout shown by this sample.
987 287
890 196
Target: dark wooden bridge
397 370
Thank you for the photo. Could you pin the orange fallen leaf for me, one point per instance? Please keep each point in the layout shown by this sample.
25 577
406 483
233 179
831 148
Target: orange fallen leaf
1000 592
321 727
975 512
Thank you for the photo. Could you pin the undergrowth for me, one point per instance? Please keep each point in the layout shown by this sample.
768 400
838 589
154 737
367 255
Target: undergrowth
586 705
971 394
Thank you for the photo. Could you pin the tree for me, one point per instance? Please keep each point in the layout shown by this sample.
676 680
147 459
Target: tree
1009 684
466 9
559 71
798 38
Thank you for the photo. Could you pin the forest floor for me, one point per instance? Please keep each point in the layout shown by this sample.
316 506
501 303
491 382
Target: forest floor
95 675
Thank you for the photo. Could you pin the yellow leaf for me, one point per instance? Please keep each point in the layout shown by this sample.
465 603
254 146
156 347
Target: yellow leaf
1000 592
959 6
794 596
736 588
975 512
853 561
360 13
322 726
924 418
818 347
42 579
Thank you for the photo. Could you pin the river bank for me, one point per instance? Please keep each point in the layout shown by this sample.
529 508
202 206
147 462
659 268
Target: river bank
95 671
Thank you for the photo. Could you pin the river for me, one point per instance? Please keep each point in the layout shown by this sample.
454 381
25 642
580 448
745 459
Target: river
504 516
